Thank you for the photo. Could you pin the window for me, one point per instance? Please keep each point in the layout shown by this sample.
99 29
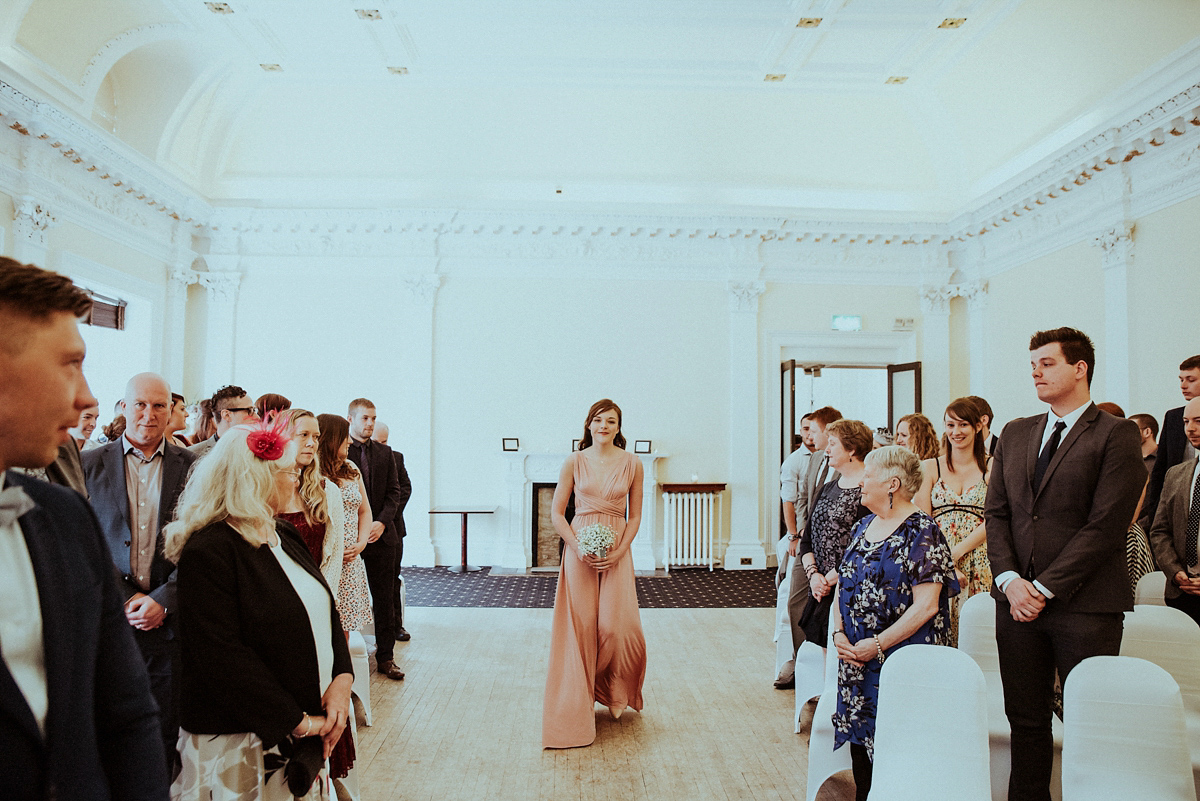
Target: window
106 312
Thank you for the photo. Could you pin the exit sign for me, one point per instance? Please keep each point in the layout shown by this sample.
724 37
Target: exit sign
847 322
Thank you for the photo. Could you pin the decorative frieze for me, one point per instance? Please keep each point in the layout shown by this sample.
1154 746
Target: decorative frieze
31 220
743 295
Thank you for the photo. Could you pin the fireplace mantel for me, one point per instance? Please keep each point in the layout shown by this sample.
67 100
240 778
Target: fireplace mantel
515 519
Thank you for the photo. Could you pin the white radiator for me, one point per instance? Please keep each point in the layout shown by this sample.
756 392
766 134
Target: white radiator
691 527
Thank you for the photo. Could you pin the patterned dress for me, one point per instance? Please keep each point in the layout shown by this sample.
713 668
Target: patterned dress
830 526
957 517
353 597
875 588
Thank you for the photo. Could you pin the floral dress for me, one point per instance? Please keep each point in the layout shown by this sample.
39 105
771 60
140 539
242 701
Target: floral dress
353 597
830 526
875 587
957 516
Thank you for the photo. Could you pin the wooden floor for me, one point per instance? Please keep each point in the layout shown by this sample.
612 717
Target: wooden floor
466 722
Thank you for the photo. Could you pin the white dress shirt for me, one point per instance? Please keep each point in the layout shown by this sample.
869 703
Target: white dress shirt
21 643
1070 418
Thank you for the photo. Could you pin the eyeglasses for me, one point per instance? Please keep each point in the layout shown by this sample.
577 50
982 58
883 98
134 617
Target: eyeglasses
250 409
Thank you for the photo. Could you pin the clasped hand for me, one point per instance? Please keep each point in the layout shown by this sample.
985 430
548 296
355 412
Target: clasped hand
858 653
329 727
144 613
819 585
603 563
1189 584
1024 599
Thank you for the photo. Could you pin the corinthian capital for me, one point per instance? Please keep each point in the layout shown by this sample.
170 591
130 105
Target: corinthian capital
743 295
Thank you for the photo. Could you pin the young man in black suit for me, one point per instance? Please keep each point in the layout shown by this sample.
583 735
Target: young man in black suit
381 436
1173 445
134 484
1064 487
77 719
383 492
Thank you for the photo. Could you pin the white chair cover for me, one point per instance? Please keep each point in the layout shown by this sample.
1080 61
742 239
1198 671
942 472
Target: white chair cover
931 727
362 673
810 676
1125 733
977 639
783 631
823 761
1150 588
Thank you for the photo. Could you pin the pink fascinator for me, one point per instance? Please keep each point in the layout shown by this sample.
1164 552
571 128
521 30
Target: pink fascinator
268 439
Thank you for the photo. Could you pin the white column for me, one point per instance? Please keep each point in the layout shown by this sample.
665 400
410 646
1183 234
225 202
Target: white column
222 290
935 348
1113 363
178 281
977 334
745 549
419 547
31 223
649 534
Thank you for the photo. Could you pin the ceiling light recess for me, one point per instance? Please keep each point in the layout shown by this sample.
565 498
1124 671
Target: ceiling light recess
896 80
398 70
272 67
953 22
219 8
808 22
774 77
368 13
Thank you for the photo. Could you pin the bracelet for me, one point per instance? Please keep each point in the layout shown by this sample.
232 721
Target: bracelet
308 725
878 648
810 570
836 632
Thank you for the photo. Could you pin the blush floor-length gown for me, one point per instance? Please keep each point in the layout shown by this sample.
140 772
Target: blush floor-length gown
597 650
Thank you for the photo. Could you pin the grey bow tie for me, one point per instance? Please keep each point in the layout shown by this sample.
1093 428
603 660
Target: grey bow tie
14 503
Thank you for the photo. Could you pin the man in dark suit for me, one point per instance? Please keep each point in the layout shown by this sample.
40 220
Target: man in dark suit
77 719
383 492
1173 445
1176 531
381 436
134 484
1064 487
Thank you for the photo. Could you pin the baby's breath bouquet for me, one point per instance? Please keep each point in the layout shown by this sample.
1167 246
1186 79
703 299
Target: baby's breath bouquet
596 539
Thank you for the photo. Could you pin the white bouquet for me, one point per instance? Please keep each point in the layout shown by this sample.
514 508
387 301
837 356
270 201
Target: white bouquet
595 539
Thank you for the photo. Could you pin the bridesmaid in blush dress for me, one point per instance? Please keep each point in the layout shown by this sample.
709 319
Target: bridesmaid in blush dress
597 650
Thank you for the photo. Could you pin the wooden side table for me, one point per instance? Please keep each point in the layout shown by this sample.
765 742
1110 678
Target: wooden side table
464 512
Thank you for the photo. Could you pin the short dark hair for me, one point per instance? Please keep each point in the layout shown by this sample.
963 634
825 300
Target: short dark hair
221 399
272 402
1112 408
1076 346
35 294
359 403
177 398
825 415
1146 421
1190 363
985 408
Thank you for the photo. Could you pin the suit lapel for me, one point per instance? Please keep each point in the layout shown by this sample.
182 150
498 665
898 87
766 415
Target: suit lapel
1082 424
1035 448
172 473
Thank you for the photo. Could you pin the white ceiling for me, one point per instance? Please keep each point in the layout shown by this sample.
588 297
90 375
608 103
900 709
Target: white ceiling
626 104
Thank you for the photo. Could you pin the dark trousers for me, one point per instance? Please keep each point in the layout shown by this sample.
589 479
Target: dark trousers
160 652
379 557
860 764
399 610
1029 655
1189 604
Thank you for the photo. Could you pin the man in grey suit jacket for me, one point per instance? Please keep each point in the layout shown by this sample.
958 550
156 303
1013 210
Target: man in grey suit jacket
817 475
1177 524
134 484
1064 487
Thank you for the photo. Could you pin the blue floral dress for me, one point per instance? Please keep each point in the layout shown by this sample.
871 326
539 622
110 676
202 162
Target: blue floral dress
875 587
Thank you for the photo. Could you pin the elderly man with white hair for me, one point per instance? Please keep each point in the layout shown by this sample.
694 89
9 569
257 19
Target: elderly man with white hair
134 484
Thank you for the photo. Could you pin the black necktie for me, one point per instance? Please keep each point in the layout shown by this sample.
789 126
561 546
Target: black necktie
364 458
1047 454
1193 527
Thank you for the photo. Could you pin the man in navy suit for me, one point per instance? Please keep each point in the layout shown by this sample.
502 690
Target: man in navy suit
77 720
134 484
1063 489
1173 445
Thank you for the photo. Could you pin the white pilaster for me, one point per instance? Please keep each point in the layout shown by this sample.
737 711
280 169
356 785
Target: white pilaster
419 548
31 223
1117 246
222 290
977 334
178 280
935 348
745 456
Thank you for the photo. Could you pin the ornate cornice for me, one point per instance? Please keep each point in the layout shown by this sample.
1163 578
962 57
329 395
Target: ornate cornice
31 219
221 286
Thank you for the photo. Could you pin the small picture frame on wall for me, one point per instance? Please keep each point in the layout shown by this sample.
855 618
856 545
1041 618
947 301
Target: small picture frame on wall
641 446
511 444
574 445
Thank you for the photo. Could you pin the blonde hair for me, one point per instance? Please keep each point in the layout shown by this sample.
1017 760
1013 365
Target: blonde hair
922 439
312 483
231 484
897 461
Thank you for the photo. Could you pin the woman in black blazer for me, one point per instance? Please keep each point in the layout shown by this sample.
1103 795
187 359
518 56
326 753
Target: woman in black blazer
266 671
